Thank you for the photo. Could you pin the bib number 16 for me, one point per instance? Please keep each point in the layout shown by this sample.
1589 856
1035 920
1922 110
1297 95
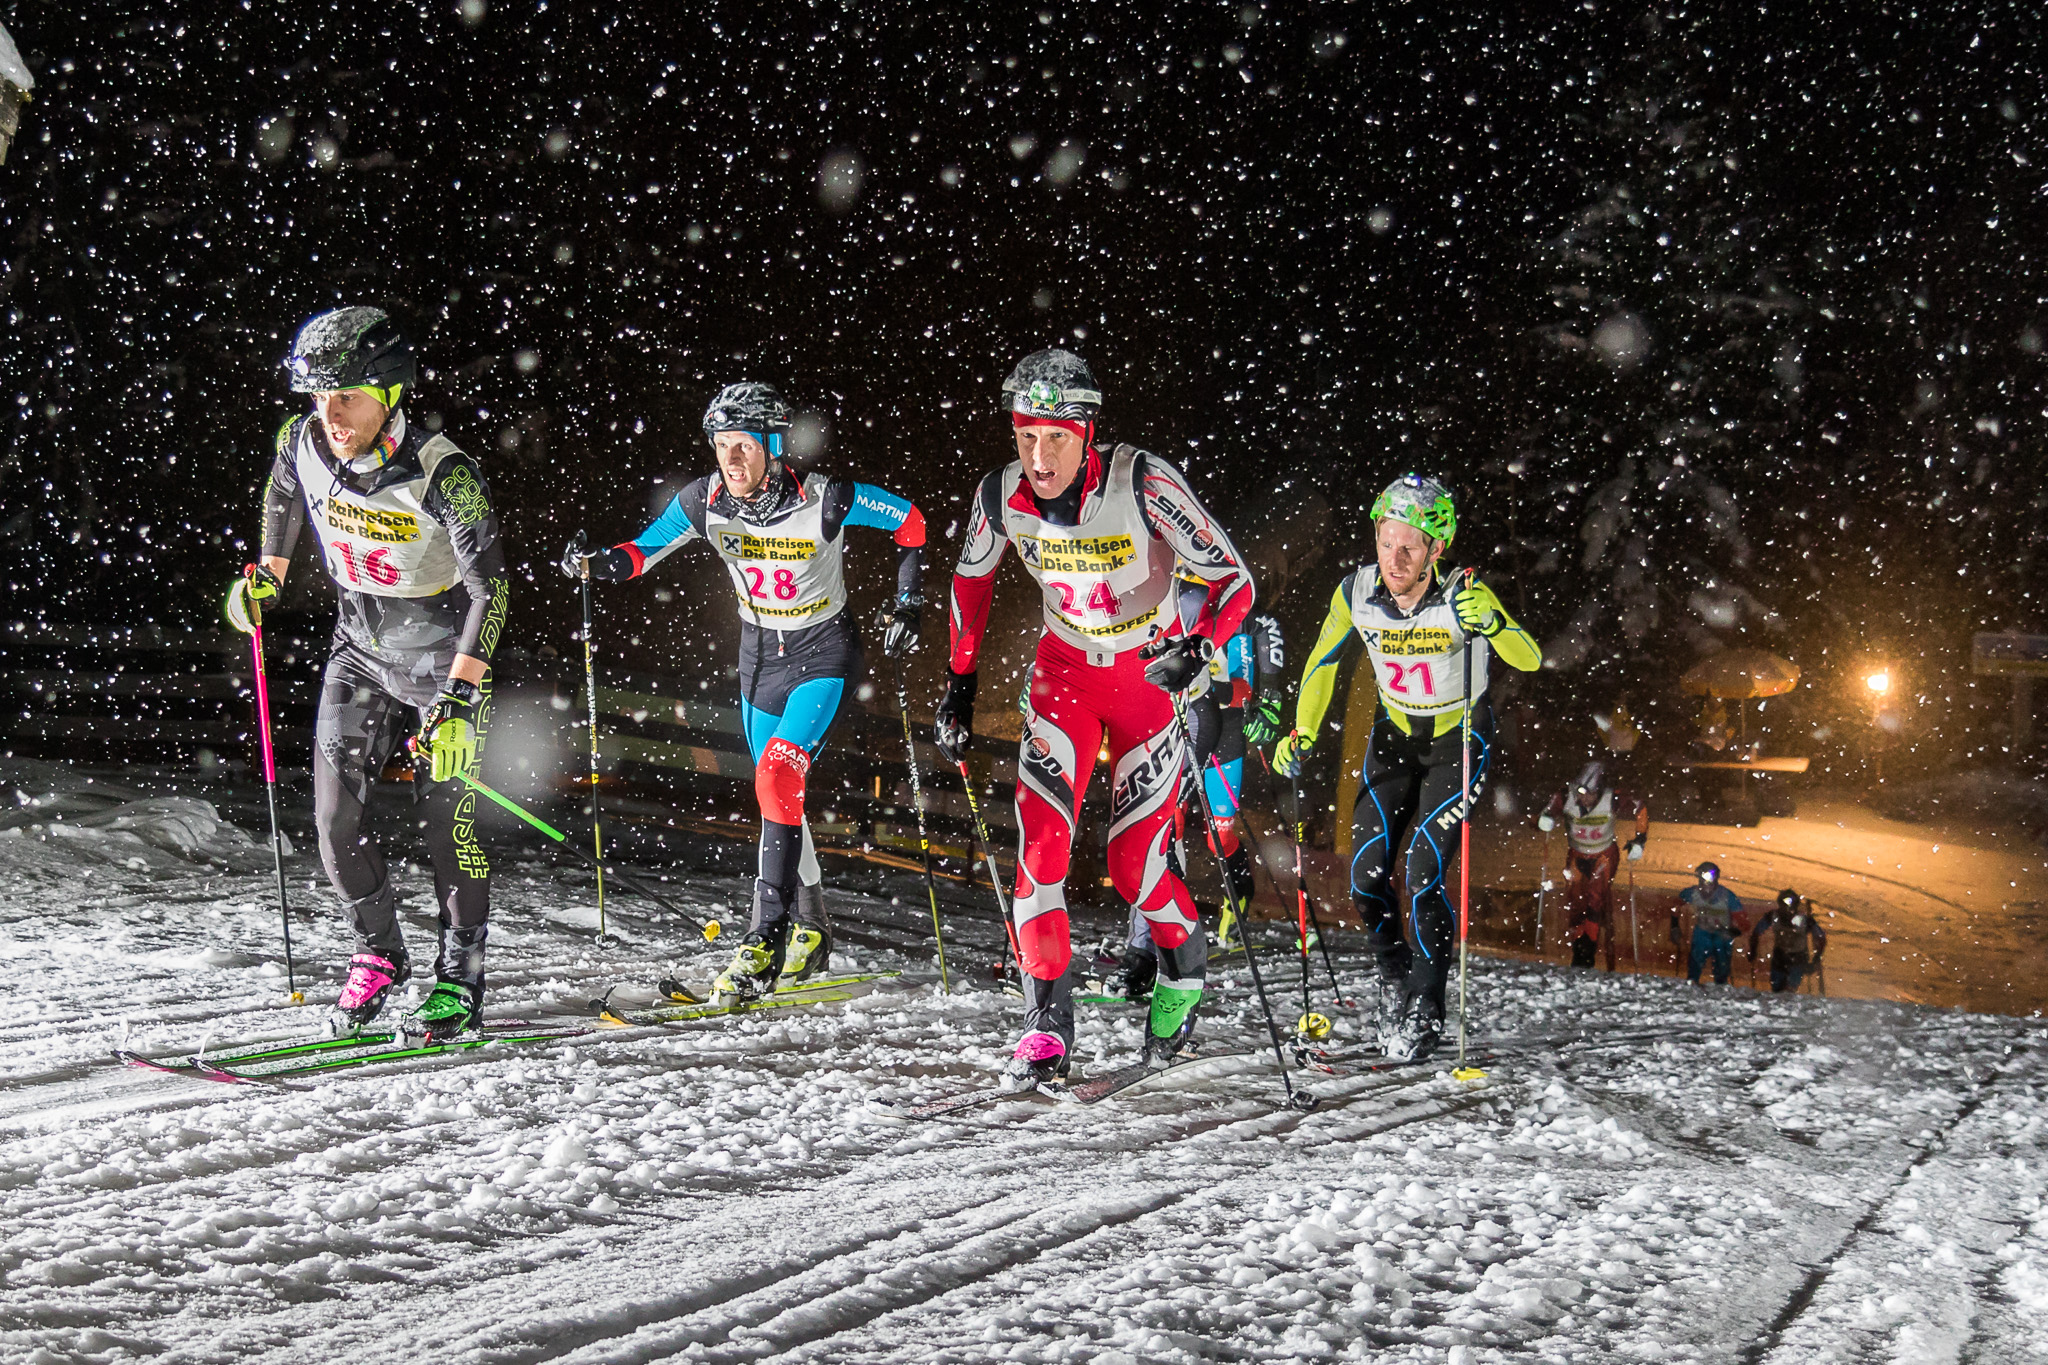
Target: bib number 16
376 566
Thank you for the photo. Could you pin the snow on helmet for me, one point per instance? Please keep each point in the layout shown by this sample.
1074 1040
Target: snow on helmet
753 408
1589 779
1708 873
1054 383
352 348
1421 502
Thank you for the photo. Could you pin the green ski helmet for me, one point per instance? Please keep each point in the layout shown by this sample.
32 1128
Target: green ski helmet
1422 502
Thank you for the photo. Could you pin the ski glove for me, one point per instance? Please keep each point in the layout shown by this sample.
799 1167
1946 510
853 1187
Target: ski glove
1294 748
575 555
1478 609
953 727
1262 719
1545 823
1177 660
901 626
247 595
1635 849
448 730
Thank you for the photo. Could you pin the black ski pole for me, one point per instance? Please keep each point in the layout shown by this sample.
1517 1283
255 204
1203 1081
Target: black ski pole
710 931
1311 1027
995 874
1301 889
1304 1100
284 912
924 841
590 692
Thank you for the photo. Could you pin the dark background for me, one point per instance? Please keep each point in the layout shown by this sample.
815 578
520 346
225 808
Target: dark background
1726 321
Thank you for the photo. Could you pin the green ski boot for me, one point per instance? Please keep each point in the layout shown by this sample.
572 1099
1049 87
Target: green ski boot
450 1010
809 954
1170 1033
751 975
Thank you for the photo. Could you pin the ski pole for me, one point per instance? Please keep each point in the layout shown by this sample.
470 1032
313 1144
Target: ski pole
710 931
284 913
1308 903
1542 890
1465 848
1304 1100
1635 946
1311 1025
924 842
590 692
995 874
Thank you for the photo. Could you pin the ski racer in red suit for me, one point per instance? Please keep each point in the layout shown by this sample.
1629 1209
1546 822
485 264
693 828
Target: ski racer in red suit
1592 805
1101 534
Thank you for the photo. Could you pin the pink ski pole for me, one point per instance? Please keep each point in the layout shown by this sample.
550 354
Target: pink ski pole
270 790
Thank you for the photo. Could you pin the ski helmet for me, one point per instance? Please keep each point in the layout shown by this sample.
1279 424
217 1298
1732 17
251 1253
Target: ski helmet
1054 384
1707 873
756 409
352 348
1788 899
1589 779
1422 502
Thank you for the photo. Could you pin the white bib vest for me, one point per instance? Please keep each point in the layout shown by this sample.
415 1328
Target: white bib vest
1106 582
380 543
1415 659
786 575
1592 831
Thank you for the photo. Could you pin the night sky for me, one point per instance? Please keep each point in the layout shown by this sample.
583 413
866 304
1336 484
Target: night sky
1726 322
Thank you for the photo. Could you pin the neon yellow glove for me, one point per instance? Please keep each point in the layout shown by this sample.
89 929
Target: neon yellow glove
1478 609
247 595
1287 755
448 730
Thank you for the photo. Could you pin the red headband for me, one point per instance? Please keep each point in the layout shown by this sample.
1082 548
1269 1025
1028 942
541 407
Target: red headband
1021 420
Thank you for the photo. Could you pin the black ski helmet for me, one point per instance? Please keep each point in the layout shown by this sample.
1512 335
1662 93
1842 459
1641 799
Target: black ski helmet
753 408
1788 899
1708 873
352 348
1053 383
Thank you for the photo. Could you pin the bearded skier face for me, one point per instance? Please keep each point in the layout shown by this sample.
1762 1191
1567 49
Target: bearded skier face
1406 556
352 420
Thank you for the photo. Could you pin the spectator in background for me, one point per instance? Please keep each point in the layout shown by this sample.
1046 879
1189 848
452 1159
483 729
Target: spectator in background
1797 941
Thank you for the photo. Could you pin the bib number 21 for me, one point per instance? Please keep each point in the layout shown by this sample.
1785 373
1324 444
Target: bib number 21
1408 680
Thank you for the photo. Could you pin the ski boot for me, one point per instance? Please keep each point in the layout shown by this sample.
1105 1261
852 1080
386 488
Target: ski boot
1226 931
456 1004
1132 980
371 979
1170 1028
809 954
1040 1059
752 973
1416 1034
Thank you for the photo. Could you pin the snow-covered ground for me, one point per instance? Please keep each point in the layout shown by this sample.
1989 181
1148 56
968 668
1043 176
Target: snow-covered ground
1647 1172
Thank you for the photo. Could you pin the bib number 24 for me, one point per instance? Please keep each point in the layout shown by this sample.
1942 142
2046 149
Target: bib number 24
1100 598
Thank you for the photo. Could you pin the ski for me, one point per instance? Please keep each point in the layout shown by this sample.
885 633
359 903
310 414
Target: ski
801 993
187 1065
963 1100
372 1054
1098 1088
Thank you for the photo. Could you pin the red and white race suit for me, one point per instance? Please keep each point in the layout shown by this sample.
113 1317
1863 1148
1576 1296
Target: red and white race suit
1109 589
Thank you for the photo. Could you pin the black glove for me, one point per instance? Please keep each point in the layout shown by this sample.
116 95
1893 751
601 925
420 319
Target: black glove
953 727
574 555
1177 660
1262 719
901 625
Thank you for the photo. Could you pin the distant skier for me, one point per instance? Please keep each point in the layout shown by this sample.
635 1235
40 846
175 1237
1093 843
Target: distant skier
1240 710
1100 535
781 537
408 533
1589 803
1714 908
1416 620
1797 941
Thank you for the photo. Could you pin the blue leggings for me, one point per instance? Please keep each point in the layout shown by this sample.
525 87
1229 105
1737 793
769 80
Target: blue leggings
788 700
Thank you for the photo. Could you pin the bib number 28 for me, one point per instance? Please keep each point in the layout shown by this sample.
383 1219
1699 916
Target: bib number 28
1410 680
758 583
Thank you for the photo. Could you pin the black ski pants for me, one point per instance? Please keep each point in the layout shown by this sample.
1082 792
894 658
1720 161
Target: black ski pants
369 706
1409 812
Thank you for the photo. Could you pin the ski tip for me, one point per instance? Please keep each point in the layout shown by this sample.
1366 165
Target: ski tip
1468 1073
